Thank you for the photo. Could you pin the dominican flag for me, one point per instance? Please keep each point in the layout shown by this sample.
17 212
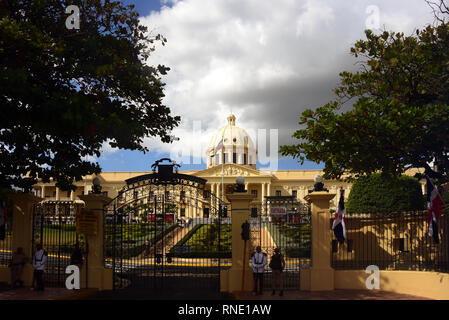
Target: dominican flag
435 206
218 147
339 225
2 220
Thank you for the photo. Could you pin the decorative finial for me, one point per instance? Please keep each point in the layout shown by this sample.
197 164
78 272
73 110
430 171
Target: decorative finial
231 120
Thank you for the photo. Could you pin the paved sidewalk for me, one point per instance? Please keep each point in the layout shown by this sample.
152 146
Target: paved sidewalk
331 295
132 294
26 293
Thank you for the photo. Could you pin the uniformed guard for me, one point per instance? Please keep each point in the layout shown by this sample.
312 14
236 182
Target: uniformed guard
258 262
39 261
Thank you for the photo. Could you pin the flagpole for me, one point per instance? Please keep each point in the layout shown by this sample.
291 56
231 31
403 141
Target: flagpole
222 166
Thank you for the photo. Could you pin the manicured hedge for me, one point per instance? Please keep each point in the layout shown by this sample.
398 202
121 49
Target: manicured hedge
377 194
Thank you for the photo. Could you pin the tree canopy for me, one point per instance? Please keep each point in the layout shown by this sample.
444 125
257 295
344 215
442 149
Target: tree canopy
399 116
65 92
375 194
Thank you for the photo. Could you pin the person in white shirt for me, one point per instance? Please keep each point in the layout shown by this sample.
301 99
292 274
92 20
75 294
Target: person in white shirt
258 262
39 261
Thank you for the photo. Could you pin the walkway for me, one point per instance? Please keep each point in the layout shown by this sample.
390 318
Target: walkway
146 294
332 295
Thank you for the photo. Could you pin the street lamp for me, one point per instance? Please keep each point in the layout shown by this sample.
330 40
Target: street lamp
96 186
239 184
319 185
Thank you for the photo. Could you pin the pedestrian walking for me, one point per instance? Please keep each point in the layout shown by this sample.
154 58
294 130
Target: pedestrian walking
17 263
277 265
39 262
258 262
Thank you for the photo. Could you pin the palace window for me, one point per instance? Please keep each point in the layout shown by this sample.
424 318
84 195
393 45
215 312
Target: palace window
183 212
205 212
234 157
278 193
295 193
254 193
245 158
226 158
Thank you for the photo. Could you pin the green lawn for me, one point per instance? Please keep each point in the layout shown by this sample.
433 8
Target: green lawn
293 239
203 242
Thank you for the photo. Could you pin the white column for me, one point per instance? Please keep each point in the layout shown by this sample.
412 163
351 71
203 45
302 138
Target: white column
269 189
72 195
43 192
303 193
86 188
263 198
246 186
58 194
216 194
191 215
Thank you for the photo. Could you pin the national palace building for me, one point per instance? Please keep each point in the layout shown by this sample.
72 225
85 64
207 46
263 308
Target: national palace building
231 153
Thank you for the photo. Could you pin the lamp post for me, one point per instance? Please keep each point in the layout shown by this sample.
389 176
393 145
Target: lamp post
319 185
96 186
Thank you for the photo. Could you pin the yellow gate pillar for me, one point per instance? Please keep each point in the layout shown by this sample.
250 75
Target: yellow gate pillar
22 229
321 275
240 273
97 275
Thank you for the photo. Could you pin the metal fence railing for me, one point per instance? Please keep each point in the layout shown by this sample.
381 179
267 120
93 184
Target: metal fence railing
396 241
6 242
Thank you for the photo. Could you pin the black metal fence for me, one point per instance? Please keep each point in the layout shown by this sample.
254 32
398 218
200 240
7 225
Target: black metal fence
285 223
397 241
6 241
54 227
165 230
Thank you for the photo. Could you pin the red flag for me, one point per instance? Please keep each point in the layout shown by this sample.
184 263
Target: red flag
435 207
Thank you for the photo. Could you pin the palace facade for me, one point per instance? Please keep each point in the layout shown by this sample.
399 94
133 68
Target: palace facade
231 153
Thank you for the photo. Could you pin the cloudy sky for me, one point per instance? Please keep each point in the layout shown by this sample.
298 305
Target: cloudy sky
263 60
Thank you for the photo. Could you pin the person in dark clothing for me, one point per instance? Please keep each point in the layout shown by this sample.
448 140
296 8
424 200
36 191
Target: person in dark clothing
77 256
17 264
277 265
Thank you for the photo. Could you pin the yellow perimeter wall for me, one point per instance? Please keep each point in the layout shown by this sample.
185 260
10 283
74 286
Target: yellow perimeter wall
432 285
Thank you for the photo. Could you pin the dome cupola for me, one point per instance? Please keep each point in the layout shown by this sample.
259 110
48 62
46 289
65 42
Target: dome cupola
231 144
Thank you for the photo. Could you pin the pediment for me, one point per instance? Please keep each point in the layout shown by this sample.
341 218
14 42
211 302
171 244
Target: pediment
229 170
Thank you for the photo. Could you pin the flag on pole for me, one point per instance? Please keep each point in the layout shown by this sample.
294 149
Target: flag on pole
435 206
339 224
3 216
218 147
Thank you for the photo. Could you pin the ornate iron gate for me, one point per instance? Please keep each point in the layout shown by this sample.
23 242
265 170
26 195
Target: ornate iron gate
285 223
165 229
54 228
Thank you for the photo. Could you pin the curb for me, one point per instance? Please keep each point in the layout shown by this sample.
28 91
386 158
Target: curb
82 294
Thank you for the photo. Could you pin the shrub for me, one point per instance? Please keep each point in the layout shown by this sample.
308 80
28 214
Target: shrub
378 194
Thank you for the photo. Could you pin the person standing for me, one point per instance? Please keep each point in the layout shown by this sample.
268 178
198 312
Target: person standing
277 265
77 256
18 262
258 262
39 261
